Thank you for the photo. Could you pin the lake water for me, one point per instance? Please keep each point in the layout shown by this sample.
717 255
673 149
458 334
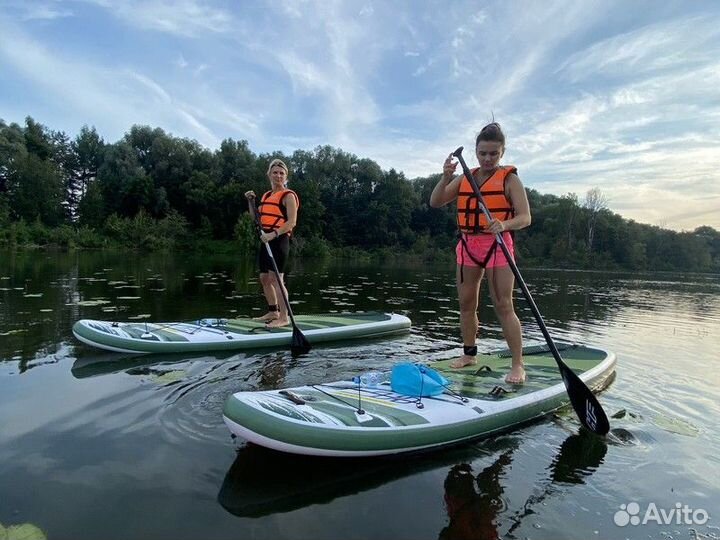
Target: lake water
104 445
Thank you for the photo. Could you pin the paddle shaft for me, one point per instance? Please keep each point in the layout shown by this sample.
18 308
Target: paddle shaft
592 411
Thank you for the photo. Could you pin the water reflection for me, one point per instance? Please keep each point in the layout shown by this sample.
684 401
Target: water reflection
263 482
475 504
104 363
579 456
273 364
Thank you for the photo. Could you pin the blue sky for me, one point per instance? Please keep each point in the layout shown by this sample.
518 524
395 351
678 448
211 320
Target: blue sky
622 96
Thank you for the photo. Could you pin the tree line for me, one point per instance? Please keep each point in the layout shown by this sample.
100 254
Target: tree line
152 190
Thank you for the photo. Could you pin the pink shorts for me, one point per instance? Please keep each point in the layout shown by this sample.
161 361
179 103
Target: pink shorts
479 245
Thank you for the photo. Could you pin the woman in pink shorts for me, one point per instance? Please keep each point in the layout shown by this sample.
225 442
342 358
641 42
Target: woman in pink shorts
483 248
477 251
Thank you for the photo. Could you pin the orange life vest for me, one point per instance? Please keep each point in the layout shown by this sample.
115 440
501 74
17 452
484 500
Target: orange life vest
470 218
273 213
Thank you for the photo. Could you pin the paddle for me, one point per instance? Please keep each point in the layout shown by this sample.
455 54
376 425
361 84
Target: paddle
586 405
299 343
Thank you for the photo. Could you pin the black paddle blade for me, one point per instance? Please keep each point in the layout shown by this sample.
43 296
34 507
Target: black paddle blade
586 405
299 344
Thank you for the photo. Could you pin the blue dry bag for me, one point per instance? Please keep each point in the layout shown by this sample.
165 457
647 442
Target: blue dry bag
416 380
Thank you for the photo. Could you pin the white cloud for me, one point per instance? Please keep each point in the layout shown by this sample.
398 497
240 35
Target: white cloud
110 97
26 10
181 62
224 115
675 44
644 134
367 10
154 87
187 18
305 75
326 54
206 134
480 17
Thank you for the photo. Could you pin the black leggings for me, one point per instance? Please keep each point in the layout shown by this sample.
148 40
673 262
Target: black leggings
280 248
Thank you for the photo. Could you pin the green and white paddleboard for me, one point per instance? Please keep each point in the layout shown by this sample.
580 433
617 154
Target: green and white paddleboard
344 419
233 334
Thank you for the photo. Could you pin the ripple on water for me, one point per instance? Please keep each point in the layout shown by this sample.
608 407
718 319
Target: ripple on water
192 406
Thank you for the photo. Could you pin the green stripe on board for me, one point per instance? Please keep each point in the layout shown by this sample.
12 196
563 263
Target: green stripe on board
307 322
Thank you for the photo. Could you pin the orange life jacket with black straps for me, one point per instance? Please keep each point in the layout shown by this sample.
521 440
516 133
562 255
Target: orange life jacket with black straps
271 210
470 218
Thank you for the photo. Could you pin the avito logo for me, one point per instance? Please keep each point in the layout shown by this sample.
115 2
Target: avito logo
680 514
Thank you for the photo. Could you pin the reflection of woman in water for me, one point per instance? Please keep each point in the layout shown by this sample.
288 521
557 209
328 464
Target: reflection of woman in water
474 502
473 515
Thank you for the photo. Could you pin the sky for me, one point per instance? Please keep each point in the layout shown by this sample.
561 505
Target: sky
620 96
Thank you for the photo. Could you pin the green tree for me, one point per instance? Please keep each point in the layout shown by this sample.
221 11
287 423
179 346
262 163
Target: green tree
236 163
37 141
125 186
390 212
711 238
245 234
36 191
155 188
312 211
12 148
91 209
169 162
200 197
437 222
85 158
231 203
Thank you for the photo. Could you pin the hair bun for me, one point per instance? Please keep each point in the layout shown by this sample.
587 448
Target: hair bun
491 132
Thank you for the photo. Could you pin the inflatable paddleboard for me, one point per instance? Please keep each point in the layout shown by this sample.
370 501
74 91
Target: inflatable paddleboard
345 418
232 334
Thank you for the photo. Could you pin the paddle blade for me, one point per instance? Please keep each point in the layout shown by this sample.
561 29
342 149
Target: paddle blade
299 343
586 405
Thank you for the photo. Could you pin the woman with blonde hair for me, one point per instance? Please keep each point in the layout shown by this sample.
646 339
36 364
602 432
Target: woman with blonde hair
277 213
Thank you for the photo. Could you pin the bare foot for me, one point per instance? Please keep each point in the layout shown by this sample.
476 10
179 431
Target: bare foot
269 316
516 375
463 361
277 323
